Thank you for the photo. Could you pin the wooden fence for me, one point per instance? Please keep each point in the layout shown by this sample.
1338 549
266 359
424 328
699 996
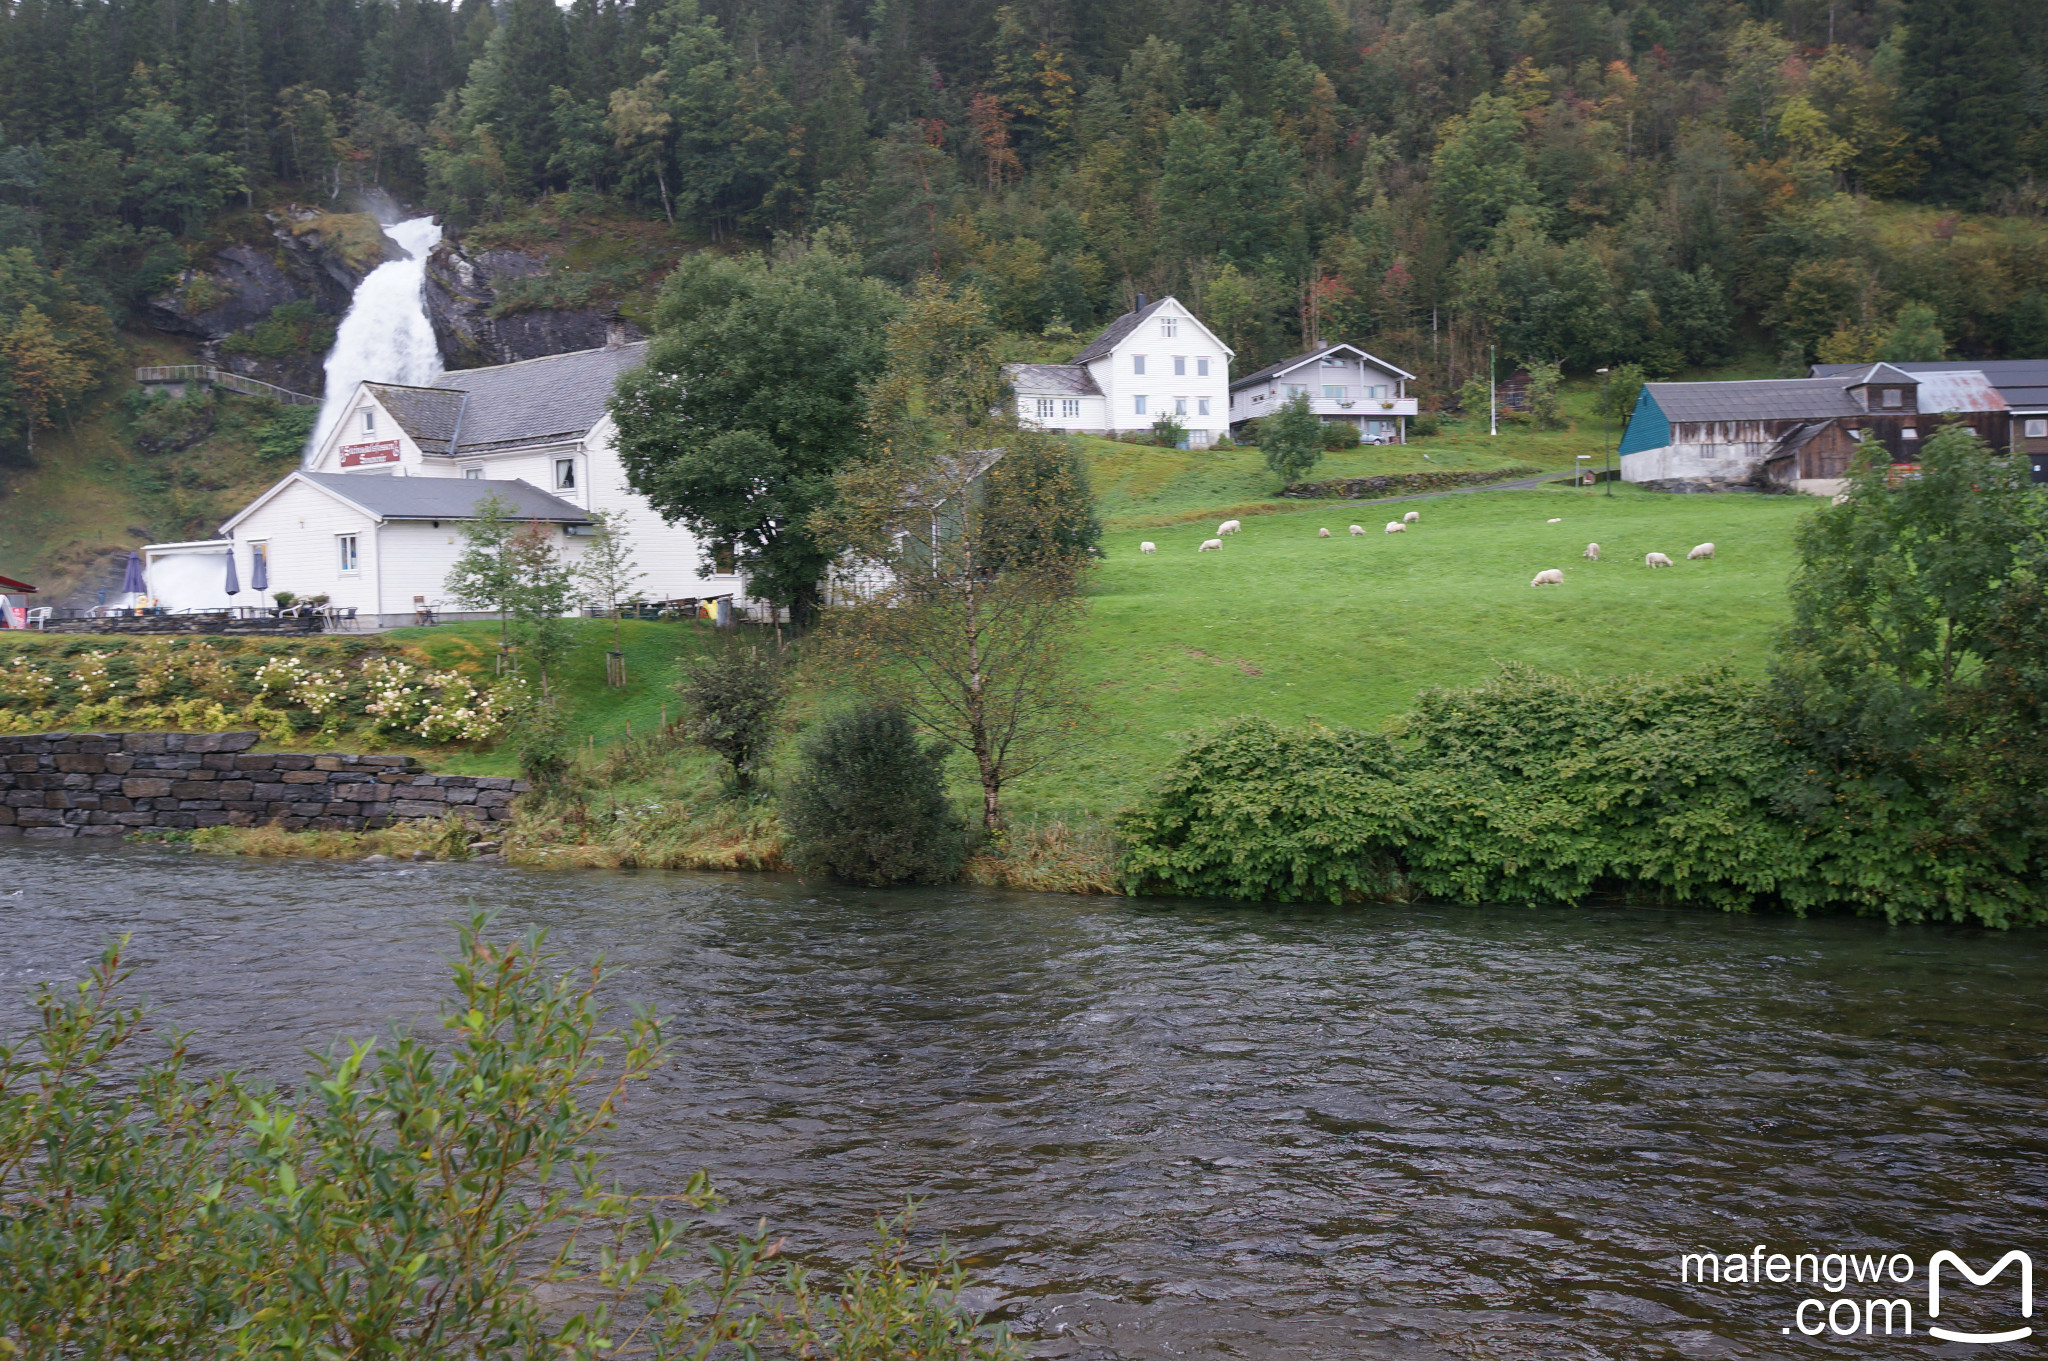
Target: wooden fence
233 382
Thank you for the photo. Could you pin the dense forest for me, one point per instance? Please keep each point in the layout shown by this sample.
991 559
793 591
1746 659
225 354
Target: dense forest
1589 182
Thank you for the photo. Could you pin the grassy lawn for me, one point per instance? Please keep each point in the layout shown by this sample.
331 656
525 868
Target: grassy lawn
1346 629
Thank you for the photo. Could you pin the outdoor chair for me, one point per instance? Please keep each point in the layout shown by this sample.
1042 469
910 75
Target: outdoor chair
38 616
422 612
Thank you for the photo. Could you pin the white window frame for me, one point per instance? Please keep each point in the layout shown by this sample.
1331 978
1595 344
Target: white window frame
1169 327
1909 433
349 554
1045 408
473 473
2037 429
1893 397
565 474
1070 408
1202 368
1180 366
1294 389
1201 406
1138 405
1180 406
1137 364
369 420
1336 392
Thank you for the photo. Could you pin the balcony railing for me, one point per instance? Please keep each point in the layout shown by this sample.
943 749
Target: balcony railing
1372 408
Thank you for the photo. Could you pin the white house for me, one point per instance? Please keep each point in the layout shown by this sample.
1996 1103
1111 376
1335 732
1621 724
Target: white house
1159 360
536 433
1344 385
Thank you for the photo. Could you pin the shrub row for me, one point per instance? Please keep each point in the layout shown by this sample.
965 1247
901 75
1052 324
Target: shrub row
1546 789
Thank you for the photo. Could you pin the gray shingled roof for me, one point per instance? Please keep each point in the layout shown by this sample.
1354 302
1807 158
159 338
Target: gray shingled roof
444 498
1766 399
1116 331
1286 364
2022 382
535 401
430 415
1056 380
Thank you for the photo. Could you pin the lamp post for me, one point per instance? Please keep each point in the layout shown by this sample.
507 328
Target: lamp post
1492 397
1605 447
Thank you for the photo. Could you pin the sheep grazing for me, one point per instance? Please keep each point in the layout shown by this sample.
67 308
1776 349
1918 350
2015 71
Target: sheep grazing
1148 547
1552 577
1208 544
1357 530
1705 550
1396 527
1322 533
1656 560
1592 553
1411 517
1554 522
1228 527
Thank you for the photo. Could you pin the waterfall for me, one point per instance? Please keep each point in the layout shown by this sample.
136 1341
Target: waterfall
386 336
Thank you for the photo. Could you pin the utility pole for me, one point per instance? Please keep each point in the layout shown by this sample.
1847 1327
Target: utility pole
1492 396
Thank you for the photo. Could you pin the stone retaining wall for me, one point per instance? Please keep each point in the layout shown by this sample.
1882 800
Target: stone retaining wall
110 783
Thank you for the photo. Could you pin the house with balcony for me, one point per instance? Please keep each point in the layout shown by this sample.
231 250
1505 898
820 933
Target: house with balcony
1343 384
373 520
1157 360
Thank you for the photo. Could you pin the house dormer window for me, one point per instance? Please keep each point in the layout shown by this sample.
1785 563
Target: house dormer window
369 420
1891 396
1169 327
1137 363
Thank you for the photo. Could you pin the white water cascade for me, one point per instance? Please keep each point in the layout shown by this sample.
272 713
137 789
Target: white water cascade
386 336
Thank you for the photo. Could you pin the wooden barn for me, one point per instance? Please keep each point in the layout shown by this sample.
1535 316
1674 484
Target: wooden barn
1799 433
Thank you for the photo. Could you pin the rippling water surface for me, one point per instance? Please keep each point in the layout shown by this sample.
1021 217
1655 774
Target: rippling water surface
1181 1130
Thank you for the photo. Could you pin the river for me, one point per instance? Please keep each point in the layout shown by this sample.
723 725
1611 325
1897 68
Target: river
1176 1129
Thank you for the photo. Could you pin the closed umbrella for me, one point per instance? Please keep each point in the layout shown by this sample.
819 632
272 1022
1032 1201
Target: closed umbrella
132 582
259 570
234 581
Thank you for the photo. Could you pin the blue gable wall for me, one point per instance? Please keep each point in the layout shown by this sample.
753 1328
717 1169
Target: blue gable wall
1647 427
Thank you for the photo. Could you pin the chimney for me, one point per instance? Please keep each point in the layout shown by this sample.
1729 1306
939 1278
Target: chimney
614 329
1141 303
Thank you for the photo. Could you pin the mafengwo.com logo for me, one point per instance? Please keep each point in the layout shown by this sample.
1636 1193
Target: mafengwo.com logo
1883 1294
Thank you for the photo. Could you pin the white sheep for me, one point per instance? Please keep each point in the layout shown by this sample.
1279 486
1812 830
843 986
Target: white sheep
1592 553
1148 547
1705 550
1208 544
1357 530
1549 577
1656 560
1322 533
1228 527
1411 517
1396 527
1558 521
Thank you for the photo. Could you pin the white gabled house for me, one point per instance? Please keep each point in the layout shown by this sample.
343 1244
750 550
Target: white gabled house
1158 360
1343 384
372 518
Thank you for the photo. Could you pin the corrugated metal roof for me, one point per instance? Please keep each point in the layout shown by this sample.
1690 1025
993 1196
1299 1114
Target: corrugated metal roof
1052 380
1764 399
1958 391
2023 383
444 498
1298 360
1116 331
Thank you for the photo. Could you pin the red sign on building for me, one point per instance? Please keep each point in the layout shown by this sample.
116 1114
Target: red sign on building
358 455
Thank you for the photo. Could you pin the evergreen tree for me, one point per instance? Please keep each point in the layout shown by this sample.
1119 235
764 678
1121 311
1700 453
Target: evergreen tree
1962 84
1292 439
868 803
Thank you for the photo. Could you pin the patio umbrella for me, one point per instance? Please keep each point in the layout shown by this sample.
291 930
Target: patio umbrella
131 580
234 582
259 571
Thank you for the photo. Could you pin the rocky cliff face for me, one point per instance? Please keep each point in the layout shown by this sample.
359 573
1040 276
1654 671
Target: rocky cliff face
463 290
310 267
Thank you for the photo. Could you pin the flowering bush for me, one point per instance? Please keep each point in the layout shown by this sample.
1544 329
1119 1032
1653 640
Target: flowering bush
91 675
280 673
24 684
461 711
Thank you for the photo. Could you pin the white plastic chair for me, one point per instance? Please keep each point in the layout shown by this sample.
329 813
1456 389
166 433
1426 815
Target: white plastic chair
39 616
